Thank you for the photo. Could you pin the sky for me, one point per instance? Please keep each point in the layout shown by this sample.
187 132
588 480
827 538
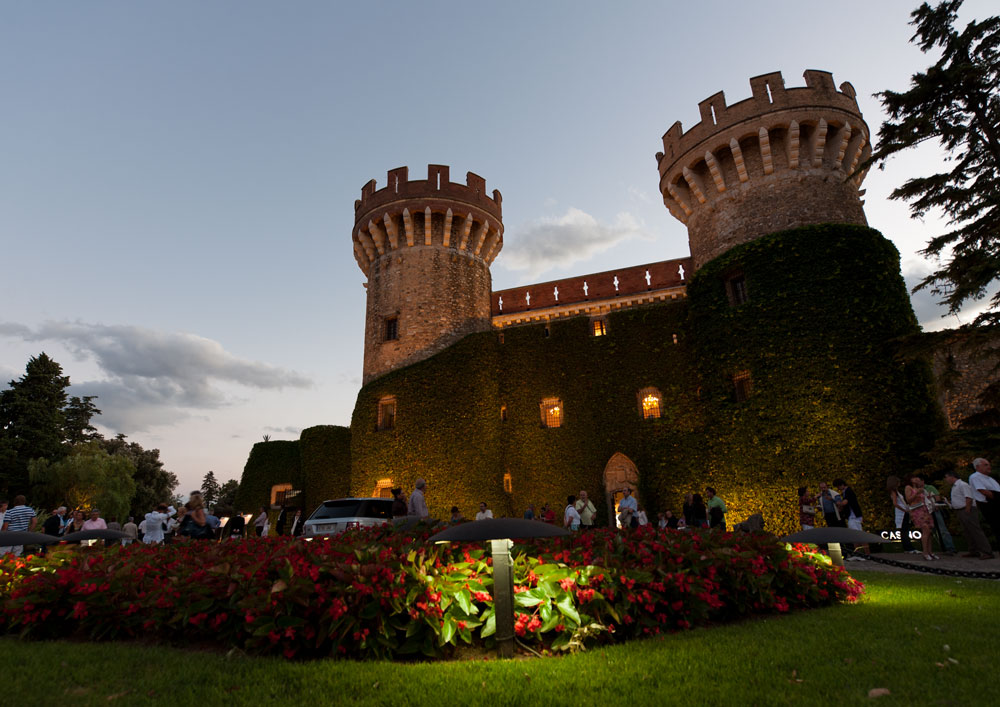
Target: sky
177 179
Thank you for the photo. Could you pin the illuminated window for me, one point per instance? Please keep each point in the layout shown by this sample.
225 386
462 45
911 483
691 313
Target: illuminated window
600 327
650 402
736 288
552 412
386 413
503 413
507 486
391 329
742 386
278 493
501 337
383 489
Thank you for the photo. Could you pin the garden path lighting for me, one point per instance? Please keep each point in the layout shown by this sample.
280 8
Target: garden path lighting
499 532
832 538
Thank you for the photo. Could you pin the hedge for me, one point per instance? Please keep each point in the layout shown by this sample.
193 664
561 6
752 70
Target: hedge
270 463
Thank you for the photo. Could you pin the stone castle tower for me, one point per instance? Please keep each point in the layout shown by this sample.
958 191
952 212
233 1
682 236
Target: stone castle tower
425 247
777 160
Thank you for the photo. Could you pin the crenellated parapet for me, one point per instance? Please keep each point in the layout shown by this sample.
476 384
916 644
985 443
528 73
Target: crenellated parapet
780 159
427 212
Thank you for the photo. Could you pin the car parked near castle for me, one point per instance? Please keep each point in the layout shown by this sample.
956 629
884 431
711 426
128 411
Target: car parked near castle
333 517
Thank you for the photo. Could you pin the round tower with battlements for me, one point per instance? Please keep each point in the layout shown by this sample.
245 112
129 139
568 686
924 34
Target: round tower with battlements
425 246
780 159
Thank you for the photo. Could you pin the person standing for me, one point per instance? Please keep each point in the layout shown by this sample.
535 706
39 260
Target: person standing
850 509
964 504
529 513
828 501
418 504
398 503
131 530
95 522
987 494
571 517
156 524
902 513
548 515
484 512
585 507
17 519
947 542
296 530
456 515
807 508
917 499
260 522
53 525
716 509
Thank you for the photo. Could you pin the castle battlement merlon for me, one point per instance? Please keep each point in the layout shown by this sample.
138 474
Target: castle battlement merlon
427 212
790 152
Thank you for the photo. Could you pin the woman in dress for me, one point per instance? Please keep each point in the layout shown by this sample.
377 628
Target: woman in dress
902 512
920 514
807 508
76 525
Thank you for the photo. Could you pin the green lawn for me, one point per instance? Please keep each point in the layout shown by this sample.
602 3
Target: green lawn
928 639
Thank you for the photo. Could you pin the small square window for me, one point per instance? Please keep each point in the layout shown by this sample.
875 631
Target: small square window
500 337
552 412
600 327
386 414
742 386
736 288
392 329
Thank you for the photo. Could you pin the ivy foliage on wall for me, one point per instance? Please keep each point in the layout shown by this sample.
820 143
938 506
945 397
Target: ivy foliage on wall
827 399
326 464
269 463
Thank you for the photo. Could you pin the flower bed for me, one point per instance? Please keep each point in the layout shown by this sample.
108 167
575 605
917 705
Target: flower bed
385 593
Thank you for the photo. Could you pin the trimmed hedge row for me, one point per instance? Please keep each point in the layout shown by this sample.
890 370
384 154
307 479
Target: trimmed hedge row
269 463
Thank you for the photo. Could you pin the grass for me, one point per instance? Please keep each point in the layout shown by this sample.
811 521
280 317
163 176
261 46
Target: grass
928 639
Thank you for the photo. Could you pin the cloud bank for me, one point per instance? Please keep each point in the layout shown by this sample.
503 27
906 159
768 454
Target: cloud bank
574 237
153 377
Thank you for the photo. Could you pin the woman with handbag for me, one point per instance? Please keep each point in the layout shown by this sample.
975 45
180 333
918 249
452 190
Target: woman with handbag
921 507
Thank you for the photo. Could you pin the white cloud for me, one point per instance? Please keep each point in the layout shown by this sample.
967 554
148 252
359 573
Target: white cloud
151 377
571 238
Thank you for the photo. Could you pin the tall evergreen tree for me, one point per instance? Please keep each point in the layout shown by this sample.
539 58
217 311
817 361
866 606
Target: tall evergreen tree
210 489
78 413
956 101
227 494
32 421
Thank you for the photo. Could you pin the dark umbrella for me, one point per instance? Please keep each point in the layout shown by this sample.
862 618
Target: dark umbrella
824 536
96 534
496 528
23 537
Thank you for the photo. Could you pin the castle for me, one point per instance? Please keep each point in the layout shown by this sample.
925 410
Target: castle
761 362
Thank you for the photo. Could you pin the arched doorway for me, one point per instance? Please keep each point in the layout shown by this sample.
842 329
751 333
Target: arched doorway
619 473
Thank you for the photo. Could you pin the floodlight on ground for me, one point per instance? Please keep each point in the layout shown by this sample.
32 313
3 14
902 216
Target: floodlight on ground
500 532
832 538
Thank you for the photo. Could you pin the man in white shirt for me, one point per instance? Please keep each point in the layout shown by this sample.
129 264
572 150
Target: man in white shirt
964 504
585 507
987 494
417 505
484 512
154 524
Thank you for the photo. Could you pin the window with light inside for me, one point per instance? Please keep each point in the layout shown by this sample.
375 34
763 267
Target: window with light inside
552 412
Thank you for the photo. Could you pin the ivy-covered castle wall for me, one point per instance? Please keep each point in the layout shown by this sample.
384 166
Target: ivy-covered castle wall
828 397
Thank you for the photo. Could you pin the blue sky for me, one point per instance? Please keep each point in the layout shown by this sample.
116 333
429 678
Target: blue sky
177 179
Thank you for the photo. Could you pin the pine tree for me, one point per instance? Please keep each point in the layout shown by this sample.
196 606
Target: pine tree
32 421
956 101
210 489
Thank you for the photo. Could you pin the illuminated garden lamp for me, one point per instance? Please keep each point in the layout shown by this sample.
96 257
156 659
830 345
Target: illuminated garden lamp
499 532
832 538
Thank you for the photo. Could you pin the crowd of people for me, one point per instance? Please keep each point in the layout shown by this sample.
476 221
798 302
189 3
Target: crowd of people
580 511
917 506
